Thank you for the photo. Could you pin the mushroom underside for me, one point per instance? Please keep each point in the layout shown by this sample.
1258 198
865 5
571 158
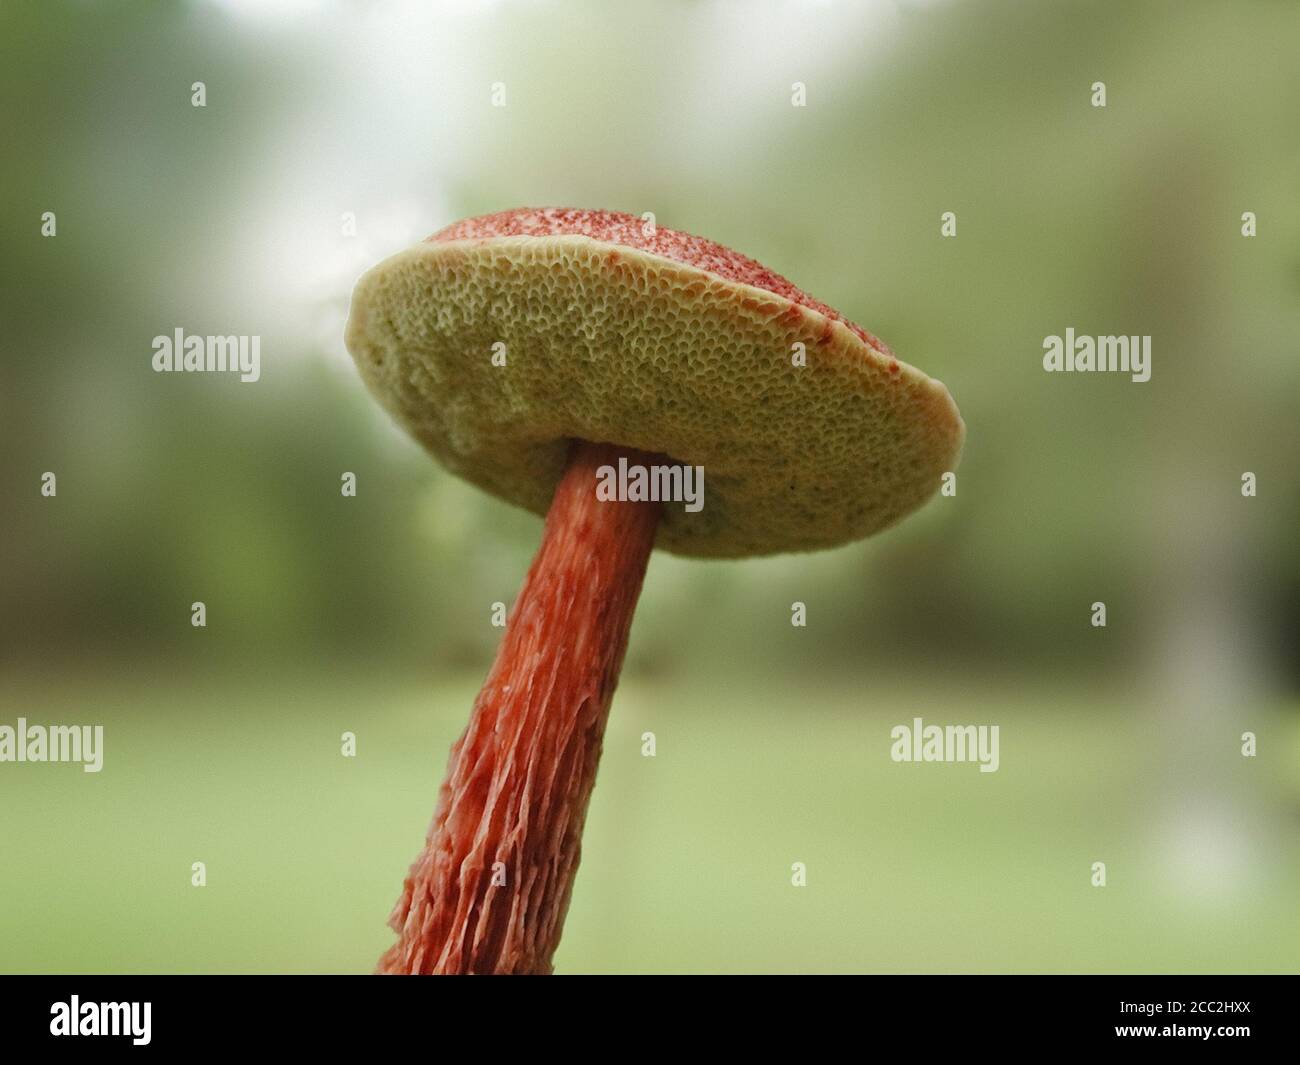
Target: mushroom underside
494 354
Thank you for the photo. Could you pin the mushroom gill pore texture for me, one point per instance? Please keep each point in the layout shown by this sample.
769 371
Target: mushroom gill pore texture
490 890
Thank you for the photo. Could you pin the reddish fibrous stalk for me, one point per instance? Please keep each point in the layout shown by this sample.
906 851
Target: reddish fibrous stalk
490 891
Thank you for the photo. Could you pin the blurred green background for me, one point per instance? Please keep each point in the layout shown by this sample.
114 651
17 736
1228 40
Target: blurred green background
372 614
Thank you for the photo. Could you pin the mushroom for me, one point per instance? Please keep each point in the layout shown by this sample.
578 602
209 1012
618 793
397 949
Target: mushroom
613 340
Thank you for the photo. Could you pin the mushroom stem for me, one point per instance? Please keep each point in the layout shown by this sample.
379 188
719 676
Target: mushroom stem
490 891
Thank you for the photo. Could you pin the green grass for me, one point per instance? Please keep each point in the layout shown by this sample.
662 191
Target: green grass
688 855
